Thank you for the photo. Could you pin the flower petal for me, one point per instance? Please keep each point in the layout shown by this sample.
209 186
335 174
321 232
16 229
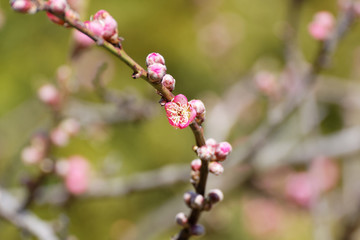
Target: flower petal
180 99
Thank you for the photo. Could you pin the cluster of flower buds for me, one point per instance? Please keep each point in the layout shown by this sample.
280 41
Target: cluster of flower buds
199 202
322 25
157 71
61 134
75 170
36 151
105 26
24 6
215 153
49 95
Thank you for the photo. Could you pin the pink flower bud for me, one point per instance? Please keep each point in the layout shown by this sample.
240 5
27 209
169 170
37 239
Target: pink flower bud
169 82
322 25
222 150
181 219
199 107
197 201
70 126
188 196
197 230
105 26
196 164
95 27
156 72
206 152
58 6
215 195
216 168
179 112
153 58
32 155
59 137
24 6
77 177
49 94
211 144
81 39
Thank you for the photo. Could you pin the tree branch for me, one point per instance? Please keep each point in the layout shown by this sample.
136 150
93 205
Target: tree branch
25 220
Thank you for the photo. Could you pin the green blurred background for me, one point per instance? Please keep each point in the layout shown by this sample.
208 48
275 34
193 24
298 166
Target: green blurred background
208 46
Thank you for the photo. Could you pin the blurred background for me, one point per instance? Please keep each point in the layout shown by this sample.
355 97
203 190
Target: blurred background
234 56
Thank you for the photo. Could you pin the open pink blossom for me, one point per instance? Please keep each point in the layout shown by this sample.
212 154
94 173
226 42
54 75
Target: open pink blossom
179 112
77 175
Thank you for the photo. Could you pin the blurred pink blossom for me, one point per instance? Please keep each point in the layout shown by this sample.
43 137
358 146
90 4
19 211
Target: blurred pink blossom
82 40
267 83
263 217
70 126
77 176
32 155
322 25
299 188
325 173
59 137
305 187
49 94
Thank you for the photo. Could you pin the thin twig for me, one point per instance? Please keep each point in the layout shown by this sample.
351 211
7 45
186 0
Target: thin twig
118 51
